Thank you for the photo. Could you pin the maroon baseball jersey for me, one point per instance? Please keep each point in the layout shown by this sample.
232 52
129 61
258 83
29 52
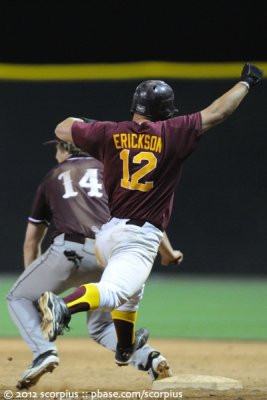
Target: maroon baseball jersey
73 197
142 162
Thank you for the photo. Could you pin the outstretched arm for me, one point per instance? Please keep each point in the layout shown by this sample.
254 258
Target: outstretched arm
225 105
168 255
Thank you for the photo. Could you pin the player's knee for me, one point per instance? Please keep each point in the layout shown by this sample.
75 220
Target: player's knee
112 295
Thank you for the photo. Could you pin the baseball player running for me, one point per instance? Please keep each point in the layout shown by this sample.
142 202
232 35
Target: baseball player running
72 196
142 164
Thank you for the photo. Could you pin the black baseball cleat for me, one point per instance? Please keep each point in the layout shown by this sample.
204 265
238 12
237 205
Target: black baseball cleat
55 315
157 366
123 355
44 363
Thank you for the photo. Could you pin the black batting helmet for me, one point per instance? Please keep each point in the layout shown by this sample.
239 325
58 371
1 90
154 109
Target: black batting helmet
154 99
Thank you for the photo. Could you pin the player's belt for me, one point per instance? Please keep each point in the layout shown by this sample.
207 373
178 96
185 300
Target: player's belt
139 222
75 238
135 222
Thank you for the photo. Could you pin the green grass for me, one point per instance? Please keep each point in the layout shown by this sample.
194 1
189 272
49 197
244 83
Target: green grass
182 307
205 308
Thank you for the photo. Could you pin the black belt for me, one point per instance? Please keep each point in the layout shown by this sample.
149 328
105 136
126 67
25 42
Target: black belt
75 238
139 222
135 222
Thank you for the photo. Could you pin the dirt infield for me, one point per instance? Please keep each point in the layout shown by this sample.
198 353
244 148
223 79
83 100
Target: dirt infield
87 367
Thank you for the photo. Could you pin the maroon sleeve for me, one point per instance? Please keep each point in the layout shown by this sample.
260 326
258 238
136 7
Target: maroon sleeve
40 212
187 130
88 137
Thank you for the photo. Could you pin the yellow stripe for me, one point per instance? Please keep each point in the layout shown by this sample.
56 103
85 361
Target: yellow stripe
120 71
91 297
129 316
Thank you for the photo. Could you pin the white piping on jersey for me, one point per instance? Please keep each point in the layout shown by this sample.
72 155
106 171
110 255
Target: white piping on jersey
38 221
79 158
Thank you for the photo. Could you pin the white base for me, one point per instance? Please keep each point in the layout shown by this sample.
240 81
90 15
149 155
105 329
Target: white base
197 382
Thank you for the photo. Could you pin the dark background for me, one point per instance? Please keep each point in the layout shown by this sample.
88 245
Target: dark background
219 219
45 31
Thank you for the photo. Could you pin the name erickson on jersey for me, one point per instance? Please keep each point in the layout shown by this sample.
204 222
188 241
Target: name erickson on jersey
137 141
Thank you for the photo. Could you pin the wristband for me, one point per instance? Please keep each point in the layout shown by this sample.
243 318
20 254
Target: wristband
245 84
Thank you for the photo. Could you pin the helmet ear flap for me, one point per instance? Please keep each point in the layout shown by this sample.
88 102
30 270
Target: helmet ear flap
154 99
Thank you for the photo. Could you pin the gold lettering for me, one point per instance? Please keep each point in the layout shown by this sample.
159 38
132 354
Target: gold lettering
158 148
140 141
147 142
153 143
129 138
123 140
137 141
116 138
134 141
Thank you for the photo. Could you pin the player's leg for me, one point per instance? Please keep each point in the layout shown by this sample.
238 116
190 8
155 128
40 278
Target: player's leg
100 324
147 358
52 271
21 303
119 280
130 252
124 319
129 262
23 295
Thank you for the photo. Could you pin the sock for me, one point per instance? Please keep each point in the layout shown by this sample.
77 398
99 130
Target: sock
124 322
84 298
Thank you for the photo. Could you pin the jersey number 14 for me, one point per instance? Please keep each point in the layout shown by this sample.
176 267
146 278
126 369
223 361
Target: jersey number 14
88 181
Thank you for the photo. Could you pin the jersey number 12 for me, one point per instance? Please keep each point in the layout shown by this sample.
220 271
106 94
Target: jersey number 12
133 182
